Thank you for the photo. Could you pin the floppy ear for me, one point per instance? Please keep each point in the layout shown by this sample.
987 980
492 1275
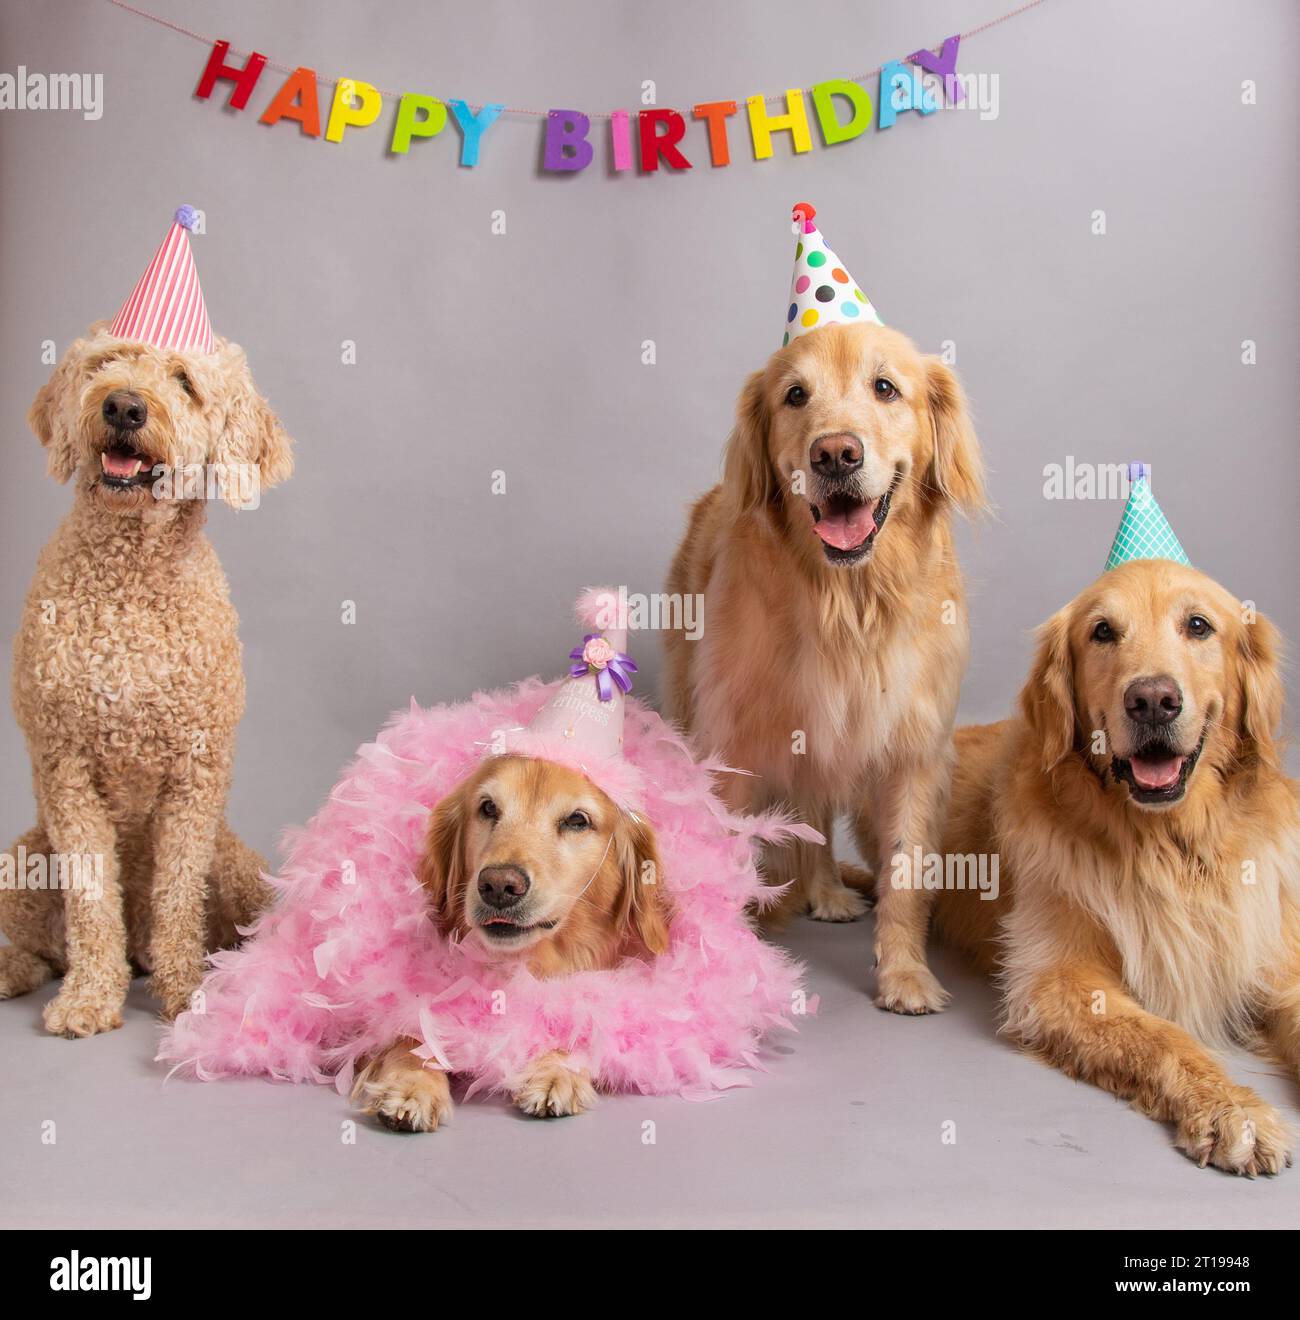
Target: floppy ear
1047 699
251 434
1259 660
48 415
643 907
956 468
747 476
442 868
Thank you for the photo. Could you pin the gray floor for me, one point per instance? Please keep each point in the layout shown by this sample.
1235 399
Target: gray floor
845 1130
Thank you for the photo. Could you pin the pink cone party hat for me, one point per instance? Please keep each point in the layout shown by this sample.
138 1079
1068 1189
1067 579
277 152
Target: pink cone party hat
166 307
822 292
586 711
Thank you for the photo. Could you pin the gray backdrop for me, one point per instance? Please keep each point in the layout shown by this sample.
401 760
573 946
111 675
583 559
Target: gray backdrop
522 351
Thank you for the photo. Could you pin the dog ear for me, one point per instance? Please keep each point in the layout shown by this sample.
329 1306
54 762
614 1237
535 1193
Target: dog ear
1047 699
643 906
251 434
1259 662
47 418
747 475
441 869
956 468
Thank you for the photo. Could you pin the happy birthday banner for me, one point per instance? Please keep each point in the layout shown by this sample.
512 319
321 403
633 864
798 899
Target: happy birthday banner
641 140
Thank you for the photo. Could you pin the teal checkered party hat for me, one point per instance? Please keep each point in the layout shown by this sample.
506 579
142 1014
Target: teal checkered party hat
1144 531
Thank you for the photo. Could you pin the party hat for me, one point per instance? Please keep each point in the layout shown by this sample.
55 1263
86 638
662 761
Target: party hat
1144 531
166 307
822 292
586 711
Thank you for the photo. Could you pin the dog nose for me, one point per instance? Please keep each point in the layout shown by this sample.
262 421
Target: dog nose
835 455
501 885
125 411
1153 700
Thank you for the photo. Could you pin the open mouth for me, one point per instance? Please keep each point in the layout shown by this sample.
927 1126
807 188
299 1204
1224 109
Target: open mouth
503 929
1156 775
848 525
124 466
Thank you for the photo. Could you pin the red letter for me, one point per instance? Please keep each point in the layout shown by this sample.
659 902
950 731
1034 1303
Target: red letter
654 144
716 114
245 79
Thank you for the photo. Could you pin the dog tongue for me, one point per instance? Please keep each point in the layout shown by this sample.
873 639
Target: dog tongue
846 531
120 465
1156 774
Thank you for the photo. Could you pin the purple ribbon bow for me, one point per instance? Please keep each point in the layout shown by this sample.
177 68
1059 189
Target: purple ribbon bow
618 669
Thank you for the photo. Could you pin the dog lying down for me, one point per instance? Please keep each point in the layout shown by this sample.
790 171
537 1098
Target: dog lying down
1150 856
536 892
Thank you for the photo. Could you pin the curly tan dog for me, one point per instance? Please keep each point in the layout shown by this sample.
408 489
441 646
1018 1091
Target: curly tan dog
128 683
825 560
1149 847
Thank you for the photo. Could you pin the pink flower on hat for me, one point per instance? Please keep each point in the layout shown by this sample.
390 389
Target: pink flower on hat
598 652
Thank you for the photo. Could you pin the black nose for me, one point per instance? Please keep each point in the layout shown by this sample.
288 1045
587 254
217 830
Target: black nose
501 885
835 455
125 411
1153 700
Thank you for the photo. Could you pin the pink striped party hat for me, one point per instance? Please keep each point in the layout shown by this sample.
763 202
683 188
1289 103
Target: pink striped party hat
166 308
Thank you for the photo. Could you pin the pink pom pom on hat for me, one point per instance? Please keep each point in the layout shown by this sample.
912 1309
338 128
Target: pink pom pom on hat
166 307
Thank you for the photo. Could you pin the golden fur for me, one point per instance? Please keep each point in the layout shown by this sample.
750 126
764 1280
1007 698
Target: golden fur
1128 938
128 685
836 684
592 898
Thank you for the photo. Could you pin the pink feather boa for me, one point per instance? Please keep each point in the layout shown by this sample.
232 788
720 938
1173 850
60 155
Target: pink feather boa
345 963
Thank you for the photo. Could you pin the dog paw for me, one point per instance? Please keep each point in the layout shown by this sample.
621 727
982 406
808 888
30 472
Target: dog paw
21 972
861 880
836 903
408 1100
1239 1134
175 989
910 990
552 1088
76 1015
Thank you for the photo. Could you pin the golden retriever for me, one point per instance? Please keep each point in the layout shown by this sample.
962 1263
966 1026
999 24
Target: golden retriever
835 633
533 862
1149 850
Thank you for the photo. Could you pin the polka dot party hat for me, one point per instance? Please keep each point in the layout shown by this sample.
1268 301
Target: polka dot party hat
1144 531
822 292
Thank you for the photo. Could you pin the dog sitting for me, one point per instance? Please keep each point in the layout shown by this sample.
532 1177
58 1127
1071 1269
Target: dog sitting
127 676
531 861
1149 849
826 563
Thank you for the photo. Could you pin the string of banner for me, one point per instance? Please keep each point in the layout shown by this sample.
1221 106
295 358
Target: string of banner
641 140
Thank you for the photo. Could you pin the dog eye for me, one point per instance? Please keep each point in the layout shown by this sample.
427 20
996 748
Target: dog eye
1102 631
576 820
885 389
488 809
1199 626
796 396
186 384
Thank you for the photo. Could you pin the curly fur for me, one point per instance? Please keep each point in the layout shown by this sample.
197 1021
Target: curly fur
349 960
128 685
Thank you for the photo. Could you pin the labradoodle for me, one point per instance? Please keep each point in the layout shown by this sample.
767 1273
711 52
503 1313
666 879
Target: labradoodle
128 681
